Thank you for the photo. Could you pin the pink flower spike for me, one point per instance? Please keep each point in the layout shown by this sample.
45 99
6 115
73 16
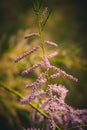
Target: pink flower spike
70 77
31 69
40 80
43 14
40 93
26 54
24 101
51 43
30 35
56 75
52 55
55 68
29 86
46 62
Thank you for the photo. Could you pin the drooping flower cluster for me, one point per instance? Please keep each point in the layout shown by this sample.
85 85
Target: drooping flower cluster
54 104
61 113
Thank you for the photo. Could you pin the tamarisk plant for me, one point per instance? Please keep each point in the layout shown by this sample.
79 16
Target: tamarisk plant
60 115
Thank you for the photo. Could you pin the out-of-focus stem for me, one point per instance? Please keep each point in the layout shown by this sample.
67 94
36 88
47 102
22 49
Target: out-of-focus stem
21 96
78 126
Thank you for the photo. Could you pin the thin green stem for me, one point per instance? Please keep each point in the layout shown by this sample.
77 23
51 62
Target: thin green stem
40 33
11 90
21 96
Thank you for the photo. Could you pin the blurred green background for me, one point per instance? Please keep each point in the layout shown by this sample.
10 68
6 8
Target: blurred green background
66 26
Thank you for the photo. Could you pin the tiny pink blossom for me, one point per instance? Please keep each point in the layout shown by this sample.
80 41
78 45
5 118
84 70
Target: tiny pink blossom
46 62
51 121
31 68
33 96
52 55
58 70
40 93
29 85
51 43
30 35
41 79
71 77
55 68
26 54
43 14
58 74
61 90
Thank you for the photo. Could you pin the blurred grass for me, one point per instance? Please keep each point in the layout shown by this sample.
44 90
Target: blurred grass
67 27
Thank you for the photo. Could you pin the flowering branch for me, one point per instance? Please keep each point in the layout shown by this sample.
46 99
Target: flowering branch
52 96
